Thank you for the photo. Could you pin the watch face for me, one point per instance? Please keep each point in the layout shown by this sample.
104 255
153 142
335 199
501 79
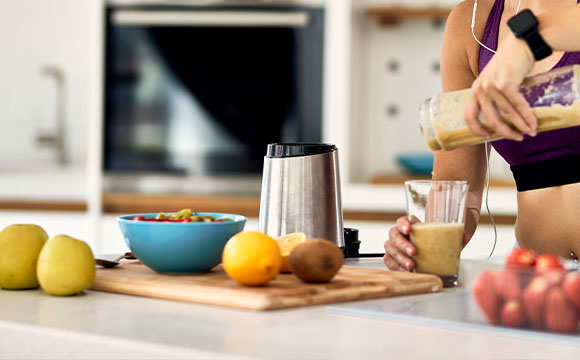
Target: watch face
523 22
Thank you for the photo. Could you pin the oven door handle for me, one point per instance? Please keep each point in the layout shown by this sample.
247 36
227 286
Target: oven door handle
294 19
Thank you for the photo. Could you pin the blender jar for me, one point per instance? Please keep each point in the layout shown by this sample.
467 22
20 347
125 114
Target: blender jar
554 97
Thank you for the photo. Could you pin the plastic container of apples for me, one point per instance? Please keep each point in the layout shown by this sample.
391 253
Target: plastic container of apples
531 292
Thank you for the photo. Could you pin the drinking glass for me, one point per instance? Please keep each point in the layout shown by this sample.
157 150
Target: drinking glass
436 209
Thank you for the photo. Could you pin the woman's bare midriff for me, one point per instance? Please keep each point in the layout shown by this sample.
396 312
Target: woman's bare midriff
549 220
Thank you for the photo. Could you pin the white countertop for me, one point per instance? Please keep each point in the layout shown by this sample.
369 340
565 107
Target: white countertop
98 325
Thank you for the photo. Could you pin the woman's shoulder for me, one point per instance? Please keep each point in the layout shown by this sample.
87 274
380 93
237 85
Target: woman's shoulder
463 50
462 10
461 16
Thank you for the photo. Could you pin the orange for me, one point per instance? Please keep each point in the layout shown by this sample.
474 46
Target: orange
287 244
251 258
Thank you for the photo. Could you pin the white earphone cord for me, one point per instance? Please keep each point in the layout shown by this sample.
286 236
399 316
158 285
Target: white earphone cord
473 25
487 154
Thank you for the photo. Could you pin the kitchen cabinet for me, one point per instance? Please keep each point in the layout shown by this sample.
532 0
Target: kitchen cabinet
43 83
50 95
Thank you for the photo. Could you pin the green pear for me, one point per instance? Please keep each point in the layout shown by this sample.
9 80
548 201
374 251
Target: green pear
66 266
19 248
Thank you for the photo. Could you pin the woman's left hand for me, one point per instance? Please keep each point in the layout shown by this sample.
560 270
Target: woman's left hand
497 89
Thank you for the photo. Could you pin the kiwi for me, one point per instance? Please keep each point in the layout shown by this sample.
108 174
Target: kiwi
316 260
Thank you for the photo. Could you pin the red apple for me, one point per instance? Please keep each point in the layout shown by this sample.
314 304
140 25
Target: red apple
508 285
534 301
561 316
512 314
571 288
484 290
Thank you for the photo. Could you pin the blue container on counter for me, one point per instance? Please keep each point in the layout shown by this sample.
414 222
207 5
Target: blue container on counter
170 247
420 163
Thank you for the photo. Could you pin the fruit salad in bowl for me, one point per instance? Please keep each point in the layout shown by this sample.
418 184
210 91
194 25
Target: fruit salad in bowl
179 242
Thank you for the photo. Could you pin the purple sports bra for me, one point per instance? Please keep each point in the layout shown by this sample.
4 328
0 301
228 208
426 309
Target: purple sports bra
549 158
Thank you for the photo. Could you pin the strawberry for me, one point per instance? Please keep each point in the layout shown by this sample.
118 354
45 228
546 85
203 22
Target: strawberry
571 288
484 290
534 300
561 316
512 314
520 257
545 262
508 285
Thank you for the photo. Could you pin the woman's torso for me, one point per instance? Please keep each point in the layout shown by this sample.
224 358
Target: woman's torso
548 220
546 217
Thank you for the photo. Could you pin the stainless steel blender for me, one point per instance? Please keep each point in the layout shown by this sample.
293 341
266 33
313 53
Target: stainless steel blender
301 191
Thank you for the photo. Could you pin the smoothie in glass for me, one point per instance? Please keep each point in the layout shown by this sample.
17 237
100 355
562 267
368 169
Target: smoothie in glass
438 248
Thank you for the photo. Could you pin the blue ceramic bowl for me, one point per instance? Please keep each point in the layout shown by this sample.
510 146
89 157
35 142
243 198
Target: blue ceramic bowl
420 163
179 247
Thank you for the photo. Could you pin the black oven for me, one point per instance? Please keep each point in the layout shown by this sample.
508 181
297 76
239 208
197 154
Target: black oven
201 90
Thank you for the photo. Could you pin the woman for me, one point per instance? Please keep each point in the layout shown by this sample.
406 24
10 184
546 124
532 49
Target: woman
549 203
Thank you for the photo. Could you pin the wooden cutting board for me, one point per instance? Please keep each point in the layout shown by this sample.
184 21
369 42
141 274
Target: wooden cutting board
286 291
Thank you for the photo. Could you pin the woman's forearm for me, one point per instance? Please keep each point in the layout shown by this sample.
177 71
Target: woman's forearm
561 28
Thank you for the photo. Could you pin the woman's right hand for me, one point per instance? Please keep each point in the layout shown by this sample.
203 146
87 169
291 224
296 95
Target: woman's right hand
497 88
398 248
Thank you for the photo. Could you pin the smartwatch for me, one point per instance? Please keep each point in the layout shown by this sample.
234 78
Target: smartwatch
525 26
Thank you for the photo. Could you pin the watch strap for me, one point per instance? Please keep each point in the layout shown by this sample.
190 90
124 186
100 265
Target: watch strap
525 26
537 44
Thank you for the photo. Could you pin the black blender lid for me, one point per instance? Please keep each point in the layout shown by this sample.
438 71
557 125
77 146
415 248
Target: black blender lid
283 150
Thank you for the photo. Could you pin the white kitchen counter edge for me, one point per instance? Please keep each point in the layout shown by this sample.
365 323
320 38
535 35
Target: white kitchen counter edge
23 341
71 186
